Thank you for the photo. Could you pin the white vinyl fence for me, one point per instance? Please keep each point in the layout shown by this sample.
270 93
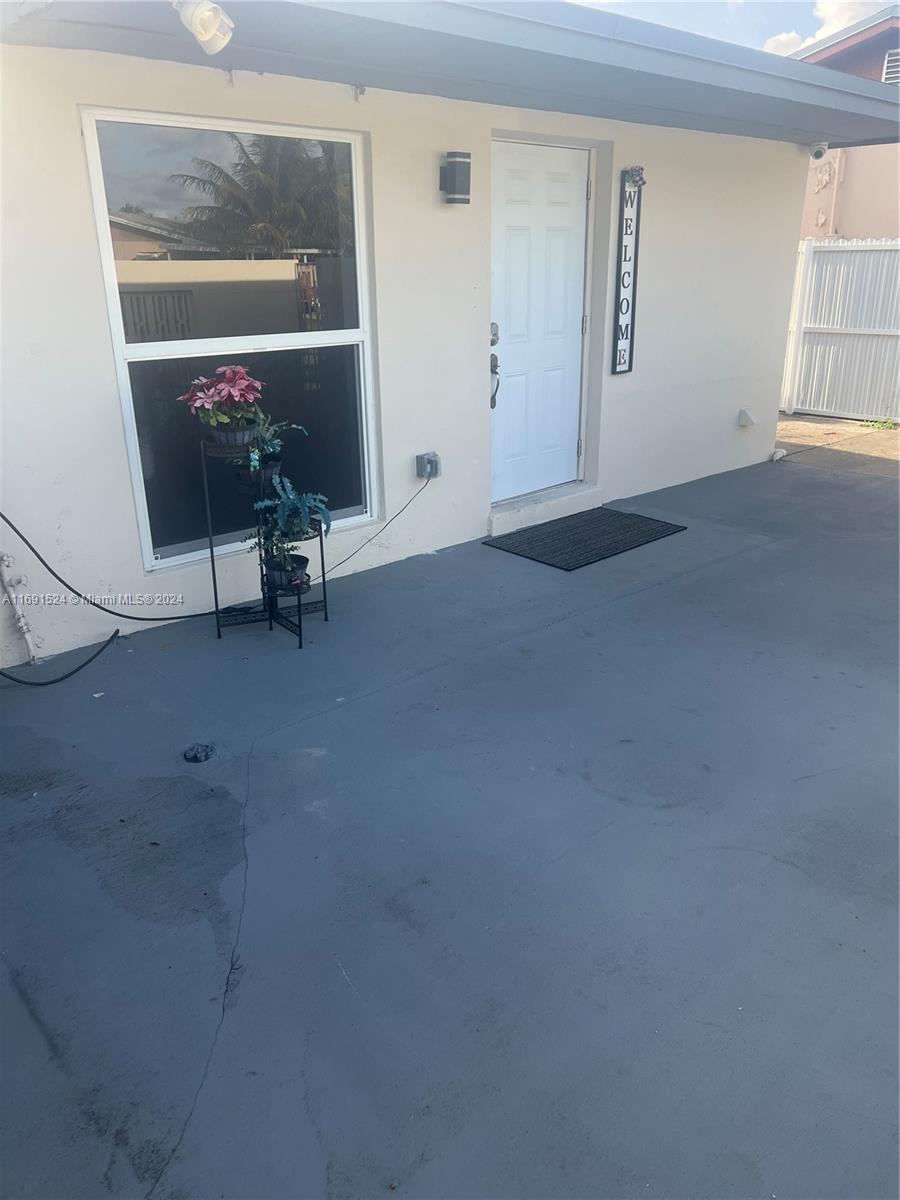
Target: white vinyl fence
843 352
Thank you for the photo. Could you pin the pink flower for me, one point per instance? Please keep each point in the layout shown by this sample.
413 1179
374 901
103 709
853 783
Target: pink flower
231 390
237 385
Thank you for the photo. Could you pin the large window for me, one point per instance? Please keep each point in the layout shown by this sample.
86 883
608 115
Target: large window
230 246
318 389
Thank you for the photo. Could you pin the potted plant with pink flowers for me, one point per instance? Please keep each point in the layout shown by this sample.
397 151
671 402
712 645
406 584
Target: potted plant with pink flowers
228 403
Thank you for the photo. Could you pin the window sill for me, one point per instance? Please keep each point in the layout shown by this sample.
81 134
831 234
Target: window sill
347 524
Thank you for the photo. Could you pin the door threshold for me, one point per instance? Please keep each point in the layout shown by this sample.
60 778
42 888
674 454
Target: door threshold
536 496
562 500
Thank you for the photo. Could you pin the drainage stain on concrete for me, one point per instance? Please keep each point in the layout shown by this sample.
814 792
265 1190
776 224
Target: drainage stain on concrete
846 860
160 847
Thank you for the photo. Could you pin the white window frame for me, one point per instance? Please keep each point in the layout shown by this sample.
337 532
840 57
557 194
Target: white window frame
128 352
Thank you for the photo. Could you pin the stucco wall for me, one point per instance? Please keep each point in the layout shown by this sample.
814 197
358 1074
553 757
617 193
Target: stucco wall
854 193
868 203
720 226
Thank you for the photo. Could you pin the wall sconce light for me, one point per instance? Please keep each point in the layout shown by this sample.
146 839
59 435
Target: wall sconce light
456 176
211 26
634 177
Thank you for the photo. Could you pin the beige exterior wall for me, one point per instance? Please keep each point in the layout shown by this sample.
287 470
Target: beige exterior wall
128 243
718 245
854 193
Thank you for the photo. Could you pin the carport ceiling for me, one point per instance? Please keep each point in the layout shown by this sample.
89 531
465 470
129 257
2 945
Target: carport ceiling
552 56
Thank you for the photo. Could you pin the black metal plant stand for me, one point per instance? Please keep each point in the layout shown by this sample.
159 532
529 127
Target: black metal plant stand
269 610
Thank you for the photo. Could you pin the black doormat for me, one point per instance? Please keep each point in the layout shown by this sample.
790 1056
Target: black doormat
587 537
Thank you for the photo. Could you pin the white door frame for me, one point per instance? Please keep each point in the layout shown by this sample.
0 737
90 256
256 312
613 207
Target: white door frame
588 283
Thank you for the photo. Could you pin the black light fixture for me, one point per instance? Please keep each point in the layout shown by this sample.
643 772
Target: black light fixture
456 176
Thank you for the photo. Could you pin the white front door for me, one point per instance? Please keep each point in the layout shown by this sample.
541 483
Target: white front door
539 212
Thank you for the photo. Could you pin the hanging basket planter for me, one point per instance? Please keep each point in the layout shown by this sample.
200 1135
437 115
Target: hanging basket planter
228 404
249 482
233 436
281 578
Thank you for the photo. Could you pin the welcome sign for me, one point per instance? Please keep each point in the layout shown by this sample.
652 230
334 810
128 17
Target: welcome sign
626 269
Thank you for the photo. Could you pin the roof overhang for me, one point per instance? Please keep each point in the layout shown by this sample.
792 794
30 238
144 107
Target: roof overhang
541 55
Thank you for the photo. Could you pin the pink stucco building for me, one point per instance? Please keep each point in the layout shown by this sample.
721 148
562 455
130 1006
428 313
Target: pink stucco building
855 192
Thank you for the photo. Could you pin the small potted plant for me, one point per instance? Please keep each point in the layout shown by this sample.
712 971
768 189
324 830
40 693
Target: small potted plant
285 520
228 404
264 457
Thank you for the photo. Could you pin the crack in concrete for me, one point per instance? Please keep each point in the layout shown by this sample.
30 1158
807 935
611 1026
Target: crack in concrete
47 1036
350 984
234 966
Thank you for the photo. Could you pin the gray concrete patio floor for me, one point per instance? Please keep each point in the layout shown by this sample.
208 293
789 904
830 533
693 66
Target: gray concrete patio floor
514 883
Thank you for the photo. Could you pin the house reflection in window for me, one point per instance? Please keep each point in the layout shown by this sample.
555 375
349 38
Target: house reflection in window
228 236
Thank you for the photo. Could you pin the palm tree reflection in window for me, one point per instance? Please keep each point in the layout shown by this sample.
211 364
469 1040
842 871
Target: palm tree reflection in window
281 198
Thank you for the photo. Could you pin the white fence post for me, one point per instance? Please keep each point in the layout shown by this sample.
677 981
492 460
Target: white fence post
795 328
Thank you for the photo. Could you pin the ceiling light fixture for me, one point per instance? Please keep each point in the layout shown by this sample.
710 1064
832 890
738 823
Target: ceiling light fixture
210 25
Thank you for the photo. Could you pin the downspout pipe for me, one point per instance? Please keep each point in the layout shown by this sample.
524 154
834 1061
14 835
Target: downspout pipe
8 584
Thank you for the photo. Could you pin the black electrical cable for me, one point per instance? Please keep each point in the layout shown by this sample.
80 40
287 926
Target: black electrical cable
181 616
68 675
112 612
378 531
86 599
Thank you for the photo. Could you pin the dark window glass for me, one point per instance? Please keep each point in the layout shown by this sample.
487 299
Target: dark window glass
225 235
318 389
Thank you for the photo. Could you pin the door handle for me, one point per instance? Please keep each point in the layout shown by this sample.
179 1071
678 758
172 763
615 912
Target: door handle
495 374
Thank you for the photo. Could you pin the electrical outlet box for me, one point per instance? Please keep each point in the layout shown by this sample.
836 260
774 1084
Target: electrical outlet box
428 466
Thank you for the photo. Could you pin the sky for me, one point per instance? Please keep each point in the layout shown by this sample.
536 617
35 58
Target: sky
781 26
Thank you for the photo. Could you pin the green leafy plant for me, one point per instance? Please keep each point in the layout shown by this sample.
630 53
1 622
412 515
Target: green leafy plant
884 423
269 441
286 520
